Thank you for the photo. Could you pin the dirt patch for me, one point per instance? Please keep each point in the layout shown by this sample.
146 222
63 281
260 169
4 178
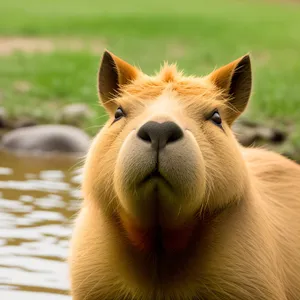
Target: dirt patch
27 45
22 86
10 45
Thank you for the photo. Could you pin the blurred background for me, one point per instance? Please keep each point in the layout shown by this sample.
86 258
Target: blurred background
49 58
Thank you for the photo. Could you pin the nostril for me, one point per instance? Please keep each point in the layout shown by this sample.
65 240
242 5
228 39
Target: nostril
173 132
144 134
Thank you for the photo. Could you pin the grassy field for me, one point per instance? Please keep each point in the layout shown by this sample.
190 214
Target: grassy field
198 34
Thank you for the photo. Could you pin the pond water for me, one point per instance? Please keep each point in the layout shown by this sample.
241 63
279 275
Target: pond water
38 200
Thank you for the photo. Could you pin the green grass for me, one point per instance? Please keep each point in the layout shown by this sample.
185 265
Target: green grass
198 34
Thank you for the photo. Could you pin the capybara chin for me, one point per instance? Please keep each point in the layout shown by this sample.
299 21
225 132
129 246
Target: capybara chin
174 207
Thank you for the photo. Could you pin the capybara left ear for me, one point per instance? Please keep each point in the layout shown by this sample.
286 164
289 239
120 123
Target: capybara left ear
235 80
113 73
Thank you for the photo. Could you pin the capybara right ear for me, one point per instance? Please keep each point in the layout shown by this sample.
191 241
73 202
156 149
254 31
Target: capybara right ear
235 79
113 73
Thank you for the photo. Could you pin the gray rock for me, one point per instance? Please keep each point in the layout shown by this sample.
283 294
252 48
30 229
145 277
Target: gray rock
24 122
3 117
273 135
47 138
248 133
245 135
76 113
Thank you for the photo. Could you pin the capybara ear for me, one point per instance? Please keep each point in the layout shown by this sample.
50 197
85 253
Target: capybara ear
113 73
235 79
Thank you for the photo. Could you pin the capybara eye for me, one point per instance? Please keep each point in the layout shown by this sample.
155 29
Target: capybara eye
119 114
216 118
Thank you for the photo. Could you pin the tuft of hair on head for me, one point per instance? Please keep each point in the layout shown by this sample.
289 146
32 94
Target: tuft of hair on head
169 73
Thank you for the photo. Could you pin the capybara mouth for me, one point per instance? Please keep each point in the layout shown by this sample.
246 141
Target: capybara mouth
155 175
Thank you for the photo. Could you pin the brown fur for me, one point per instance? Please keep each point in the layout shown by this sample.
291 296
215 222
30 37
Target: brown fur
243 205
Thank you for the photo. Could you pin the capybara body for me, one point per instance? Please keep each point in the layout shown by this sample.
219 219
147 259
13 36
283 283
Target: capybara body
174 207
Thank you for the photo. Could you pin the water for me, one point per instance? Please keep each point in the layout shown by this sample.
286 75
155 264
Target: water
38 200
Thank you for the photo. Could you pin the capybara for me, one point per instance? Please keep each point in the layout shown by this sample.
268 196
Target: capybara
174 207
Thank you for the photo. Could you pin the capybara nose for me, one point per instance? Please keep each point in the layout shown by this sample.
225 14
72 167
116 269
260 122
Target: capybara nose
160 134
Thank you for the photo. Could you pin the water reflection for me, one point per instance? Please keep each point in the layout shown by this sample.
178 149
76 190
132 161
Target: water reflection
38 198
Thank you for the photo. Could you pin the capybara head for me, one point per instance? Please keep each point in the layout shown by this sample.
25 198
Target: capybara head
167 155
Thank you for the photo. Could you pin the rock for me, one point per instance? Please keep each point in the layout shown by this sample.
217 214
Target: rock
24 122
270 134
76 113
248 133
47 138
13 123
245 136
3 117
